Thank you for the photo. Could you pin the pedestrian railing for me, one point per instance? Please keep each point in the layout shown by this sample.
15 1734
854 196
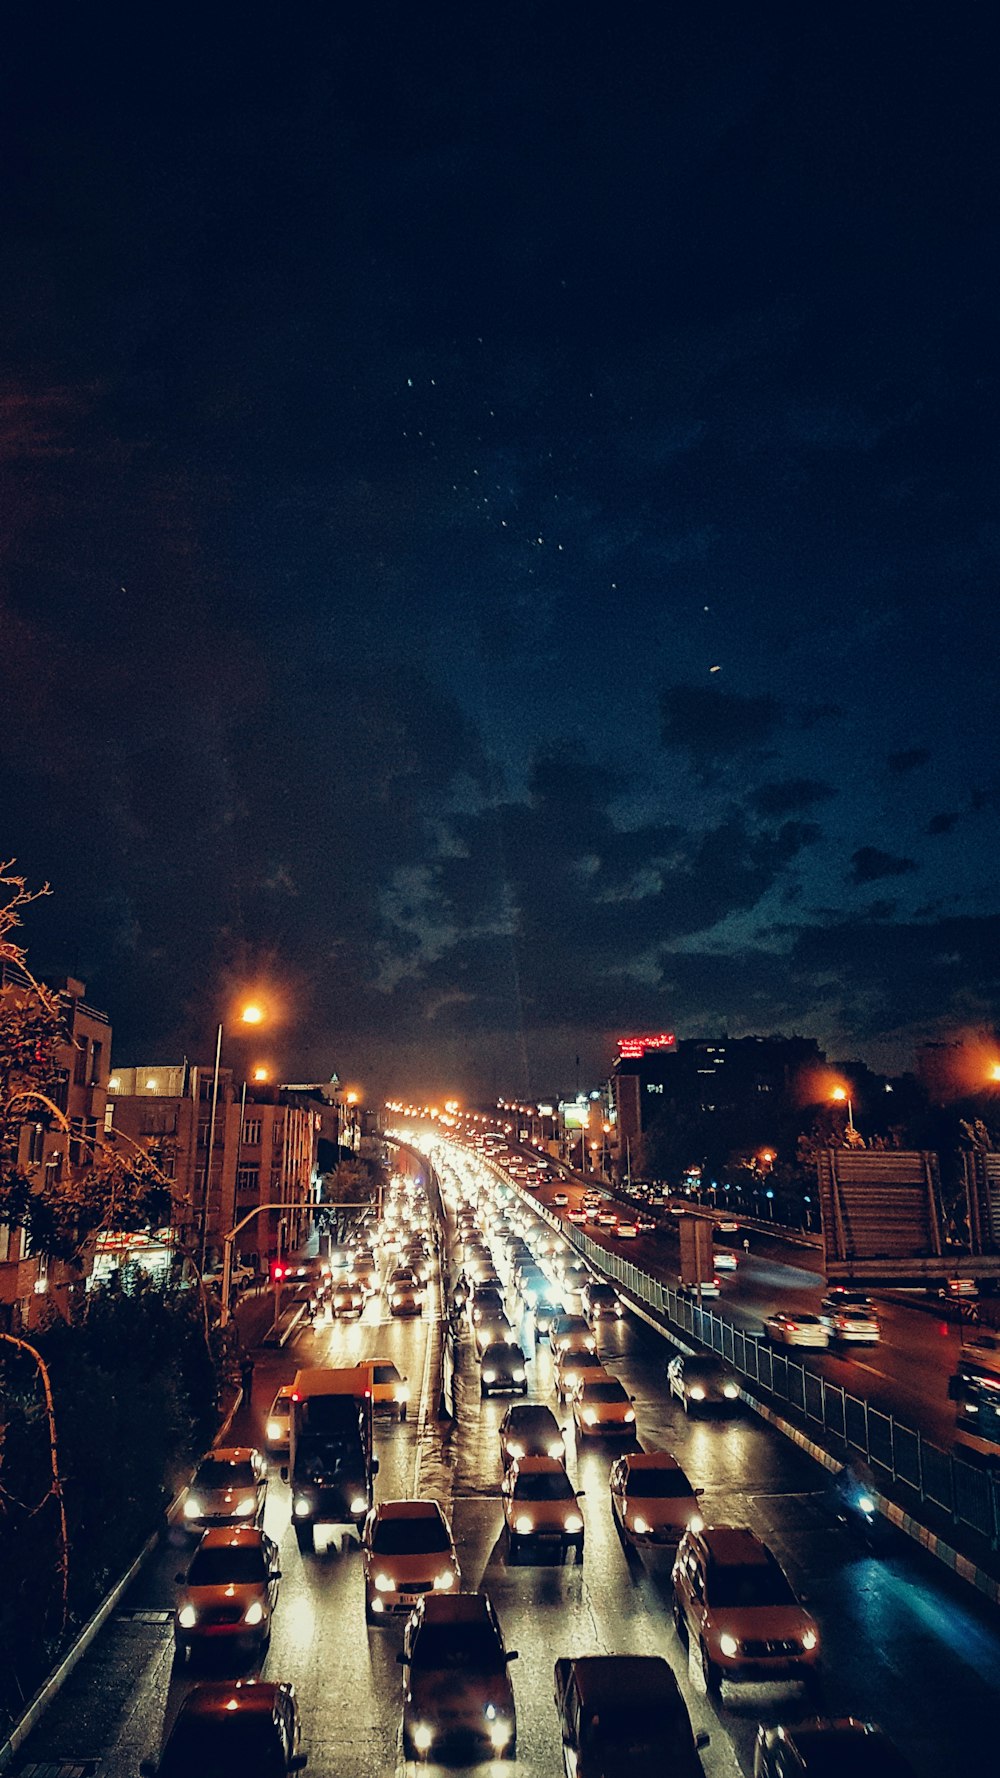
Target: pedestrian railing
966 1491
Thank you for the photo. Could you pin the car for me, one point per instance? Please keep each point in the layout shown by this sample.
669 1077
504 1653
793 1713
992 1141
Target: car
704 1288
540 1508
800 1329
576 1214
602 1408
622 1713
702 1382
276 1425
228 1593
646 1225
457 1696
389 1389
529 1429
572 1333
402 1278
406 1299
852 1326
725 1260
735 1607
824 1745
627 1229
229 1487
601 1302
570 1368
560 1200
491 1333
503 1369
248 1727
407 1550
652 1501
545 1313
485 1304
607 1219
347 1300
839 1296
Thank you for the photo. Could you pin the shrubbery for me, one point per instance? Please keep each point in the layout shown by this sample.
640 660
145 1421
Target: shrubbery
134 1391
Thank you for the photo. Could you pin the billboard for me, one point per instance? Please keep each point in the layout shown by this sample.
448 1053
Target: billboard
634 1048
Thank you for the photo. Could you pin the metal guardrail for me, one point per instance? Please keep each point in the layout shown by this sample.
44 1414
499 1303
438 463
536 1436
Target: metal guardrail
966 1491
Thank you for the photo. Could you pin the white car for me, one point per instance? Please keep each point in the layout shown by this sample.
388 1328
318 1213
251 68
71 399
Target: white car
797 1330
725 1260
852 1325
560 1200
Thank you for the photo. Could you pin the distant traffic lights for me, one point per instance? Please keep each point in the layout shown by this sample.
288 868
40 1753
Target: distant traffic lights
279 1270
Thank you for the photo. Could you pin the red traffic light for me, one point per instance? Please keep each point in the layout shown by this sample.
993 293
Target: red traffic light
278 1271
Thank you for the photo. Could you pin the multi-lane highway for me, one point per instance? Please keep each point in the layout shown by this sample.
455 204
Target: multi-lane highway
902 1643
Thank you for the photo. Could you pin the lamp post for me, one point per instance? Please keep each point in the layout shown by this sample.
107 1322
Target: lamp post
843 1097
251 1015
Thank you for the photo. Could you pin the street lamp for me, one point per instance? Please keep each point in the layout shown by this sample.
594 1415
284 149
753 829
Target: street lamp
250 1015
842 1097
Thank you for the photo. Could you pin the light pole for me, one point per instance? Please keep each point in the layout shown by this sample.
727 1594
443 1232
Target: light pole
843 1097
251 1015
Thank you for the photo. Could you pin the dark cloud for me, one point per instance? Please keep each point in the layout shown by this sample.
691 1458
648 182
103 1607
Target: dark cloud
869 864
946 822
908 760
788 796
713 726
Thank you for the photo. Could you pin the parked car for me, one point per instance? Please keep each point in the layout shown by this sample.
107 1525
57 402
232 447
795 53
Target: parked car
229 1488
503 1370
228 1593
528 1429
540 1508
821 1745
457 1693
734 1605
602 1408
702 1382
621 1713
246 1726
652 1501
407 1550
797 1330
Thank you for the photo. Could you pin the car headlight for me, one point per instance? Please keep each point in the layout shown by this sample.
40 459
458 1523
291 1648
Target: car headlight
302 1507
696 1522
524 1524
697 1393
489 1376
515 1451
384 1583
591 1345
809 1640
574 1522
728 1644
396 1301
245 1508
423 1735
629 1415
590 1416
192 1508
557 1450
275 1430
254 1613
519 1374
865 1503
499 1731
444 1581
402 1392
730 1391
187 1617
639 1524
359 1504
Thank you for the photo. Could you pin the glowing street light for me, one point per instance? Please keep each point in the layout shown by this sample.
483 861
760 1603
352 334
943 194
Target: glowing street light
260 1075
252 1015
995 1071
843 1097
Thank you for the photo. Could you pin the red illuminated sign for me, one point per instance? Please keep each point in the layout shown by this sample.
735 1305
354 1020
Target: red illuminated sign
634 1047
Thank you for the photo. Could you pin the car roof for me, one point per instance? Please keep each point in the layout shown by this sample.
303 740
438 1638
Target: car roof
540 1466
408 1509
507 1347
458 1608
235 1537
230 1454
735 1546
220 1696
651 1460
610 1681
529 1411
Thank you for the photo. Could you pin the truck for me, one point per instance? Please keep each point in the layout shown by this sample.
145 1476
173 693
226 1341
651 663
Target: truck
623 1713
330 1464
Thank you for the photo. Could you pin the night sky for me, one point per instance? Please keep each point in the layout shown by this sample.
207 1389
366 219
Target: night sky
500 526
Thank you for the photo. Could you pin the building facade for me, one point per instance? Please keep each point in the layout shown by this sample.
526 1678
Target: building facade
750 1078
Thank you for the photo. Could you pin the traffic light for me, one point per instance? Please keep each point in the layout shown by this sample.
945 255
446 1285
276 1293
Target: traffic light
279 1270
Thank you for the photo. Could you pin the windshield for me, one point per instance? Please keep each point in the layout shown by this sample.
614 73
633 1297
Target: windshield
757 1584
386 1373
540 1420
227 1567
503 1355
865 1756
601 1293
214 1474
543 1487
410 1537
244 1745
704 1370
464 1648
658 1484
604 1392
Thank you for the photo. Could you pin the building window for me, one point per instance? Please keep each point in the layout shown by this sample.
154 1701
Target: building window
278 1131
248 1179
251 1132
36 1144
96 1052
80 1063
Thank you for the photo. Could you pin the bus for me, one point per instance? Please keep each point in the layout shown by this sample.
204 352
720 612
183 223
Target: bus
975 1388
